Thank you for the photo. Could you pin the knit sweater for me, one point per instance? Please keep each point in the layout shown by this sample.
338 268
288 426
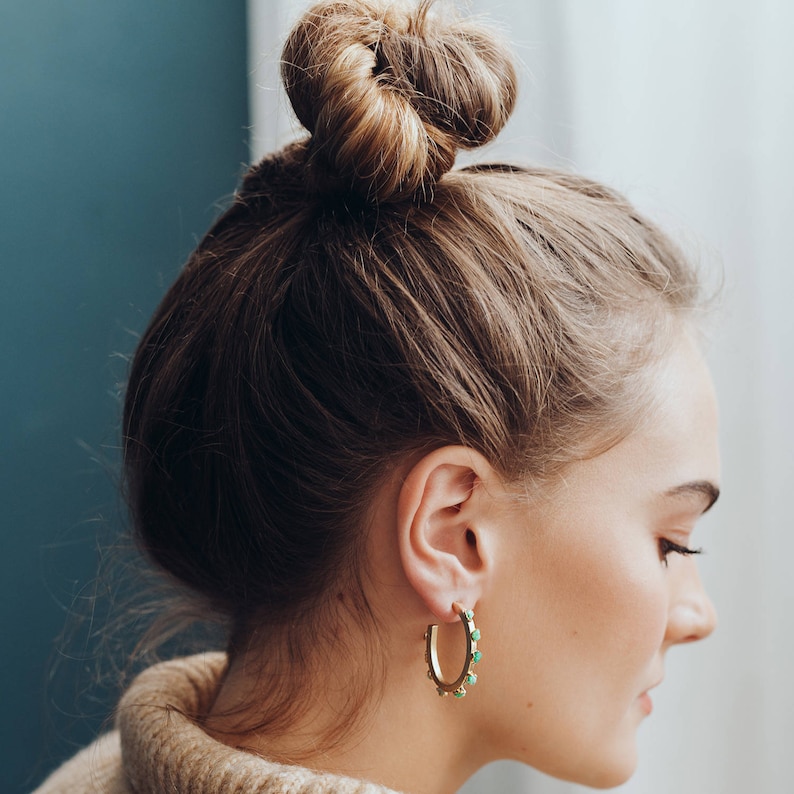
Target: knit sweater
156 747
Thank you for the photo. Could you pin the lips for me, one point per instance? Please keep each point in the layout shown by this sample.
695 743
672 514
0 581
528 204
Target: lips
646 704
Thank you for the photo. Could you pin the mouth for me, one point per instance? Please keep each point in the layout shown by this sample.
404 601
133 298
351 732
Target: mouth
646 704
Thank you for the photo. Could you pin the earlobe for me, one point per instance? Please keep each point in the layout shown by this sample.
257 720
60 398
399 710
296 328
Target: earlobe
443 528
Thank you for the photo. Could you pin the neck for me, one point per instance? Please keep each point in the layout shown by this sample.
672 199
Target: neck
400 734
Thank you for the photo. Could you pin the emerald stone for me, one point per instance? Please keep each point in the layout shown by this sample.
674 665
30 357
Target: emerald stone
475 635
459 693
469 613
471 679
476 656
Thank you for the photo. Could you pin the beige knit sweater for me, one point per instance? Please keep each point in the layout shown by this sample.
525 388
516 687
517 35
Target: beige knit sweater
156 748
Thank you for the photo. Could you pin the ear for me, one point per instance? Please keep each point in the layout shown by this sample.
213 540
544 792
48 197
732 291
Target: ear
444 528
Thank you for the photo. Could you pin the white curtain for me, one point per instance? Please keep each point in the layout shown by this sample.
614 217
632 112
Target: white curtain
689 109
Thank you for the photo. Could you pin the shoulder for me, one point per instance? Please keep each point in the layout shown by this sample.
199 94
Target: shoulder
94 770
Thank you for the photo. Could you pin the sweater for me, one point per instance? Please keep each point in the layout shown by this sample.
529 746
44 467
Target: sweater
156 747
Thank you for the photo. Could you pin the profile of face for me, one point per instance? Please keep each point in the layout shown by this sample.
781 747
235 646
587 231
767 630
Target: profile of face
600 587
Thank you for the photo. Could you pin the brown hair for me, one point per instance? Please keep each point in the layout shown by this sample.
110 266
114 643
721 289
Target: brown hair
360 301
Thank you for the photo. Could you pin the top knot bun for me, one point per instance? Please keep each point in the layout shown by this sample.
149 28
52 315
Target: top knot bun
391 92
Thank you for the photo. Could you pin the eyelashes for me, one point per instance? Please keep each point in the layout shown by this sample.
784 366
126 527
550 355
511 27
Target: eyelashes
668 547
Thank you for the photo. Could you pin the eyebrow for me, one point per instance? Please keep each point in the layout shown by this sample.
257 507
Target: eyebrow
702 488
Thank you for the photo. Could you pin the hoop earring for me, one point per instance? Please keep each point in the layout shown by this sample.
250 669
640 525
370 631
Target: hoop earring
473 656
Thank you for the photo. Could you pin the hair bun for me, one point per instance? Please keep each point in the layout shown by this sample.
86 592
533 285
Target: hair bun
390 92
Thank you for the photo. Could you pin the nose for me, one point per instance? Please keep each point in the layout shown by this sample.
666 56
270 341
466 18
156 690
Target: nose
692 615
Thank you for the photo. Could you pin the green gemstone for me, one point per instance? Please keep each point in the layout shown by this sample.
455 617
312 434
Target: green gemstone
471 679
476 656
459 693
475 635
469 613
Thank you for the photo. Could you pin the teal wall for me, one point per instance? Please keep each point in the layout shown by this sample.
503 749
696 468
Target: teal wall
121 123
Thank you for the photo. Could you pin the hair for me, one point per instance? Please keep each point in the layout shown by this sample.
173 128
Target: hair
361 301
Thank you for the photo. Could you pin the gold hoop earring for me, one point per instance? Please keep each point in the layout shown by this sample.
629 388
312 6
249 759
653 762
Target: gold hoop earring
473 656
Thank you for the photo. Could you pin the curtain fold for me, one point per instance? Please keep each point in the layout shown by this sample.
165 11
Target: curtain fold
689 109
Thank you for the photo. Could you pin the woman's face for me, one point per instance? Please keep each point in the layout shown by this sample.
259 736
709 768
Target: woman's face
598 596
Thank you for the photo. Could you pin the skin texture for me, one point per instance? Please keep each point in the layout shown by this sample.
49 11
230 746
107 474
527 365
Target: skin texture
576 599
597 607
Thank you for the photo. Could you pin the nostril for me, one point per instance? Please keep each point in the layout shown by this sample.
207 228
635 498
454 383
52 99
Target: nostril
710 619
692 621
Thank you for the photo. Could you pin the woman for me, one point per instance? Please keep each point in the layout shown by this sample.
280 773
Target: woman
413 431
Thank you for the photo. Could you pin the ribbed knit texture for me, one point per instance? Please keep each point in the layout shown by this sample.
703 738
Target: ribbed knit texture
157 748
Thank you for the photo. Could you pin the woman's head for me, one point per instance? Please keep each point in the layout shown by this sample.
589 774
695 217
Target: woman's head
362 304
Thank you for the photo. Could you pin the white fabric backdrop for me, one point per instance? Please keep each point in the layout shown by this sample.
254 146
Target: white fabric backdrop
688 108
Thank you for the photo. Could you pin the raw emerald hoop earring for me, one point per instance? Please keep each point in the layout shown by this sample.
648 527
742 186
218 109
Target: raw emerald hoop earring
473 656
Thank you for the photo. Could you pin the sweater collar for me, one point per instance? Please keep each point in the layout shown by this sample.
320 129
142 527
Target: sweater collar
163 749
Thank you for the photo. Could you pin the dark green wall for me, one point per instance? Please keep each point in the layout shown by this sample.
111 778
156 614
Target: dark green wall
121 123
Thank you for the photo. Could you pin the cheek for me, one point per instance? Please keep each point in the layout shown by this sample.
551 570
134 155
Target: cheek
614 607
576 645
594 624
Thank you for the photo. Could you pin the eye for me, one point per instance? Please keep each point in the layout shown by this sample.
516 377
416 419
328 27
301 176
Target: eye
667 547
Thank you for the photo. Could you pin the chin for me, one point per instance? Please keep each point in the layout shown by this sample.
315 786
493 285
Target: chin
608 772
607 781
598 761
602 768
